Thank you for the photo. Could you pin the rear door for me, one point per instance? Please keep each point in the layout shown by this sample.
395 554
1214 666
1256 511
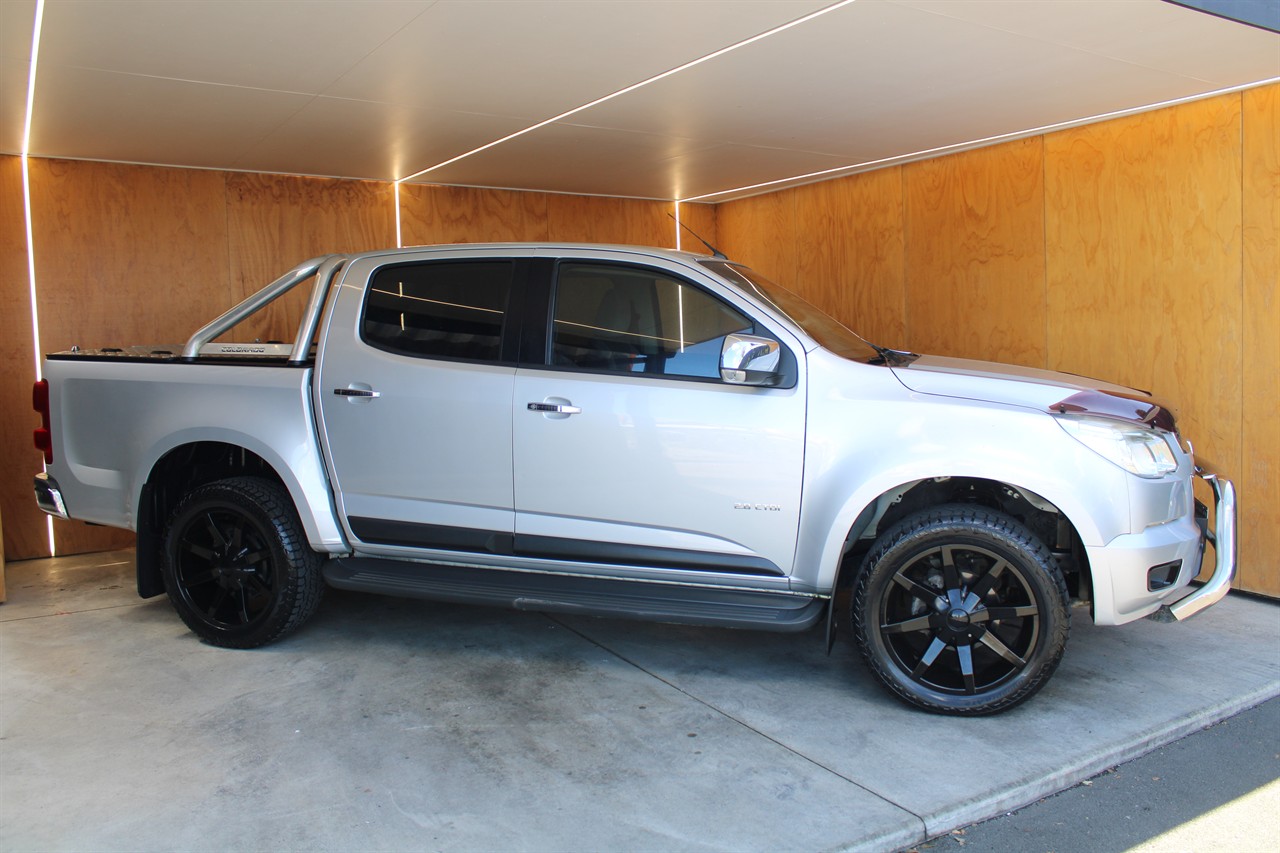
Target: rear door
631 451
414 389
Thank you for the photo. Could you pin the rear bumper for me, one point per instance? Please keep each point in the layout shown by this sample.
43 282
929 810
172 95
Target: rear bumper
49 496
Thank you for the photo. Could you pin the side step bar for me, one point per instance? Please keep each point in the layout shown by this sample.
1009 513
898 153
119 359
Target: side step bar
658 602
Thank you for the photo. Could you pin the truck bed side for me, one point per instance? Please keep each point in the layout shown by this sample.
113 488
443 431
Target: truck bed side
114 421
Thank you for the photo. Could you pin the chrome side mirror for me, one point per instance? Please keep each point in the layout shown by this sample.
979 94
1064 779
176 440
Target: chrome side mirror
750 360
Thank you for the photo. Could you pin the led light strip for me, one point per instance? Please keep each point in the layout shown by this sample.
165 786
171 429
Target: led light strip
399 240
975 143
26 180
26 212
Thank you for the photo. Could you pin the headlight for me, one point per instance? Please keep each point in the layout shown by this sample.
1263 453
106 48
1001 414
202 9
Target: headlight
1136 449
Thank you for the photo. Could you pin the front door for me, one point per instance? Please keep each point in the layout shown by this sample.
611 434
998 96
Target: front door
630 450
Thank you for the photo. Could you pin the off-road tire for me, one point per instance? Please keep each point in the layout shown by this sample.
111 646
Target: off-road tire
961 610
237 566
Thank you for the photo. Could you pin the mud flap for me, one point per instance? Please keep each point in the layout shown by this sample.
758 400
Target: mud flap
831 623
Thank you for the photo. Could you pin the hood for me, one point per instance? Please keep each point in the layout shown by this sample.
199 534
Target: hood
1046 390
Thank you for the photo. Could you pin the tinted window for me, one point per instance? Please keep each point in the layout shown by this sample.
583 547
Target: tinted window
638 321
442 309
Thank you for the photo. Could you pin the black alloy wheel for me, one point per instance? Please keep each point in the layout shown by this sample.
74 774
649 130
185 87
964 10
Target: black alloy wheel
961 610
237 565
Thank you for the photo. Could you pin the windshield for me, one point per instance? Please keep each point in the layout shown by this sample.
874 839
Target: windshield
819 325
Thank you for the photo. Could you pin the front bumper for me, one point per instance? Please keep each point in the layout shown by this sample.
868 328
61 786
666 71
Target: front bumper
49 496
1122 569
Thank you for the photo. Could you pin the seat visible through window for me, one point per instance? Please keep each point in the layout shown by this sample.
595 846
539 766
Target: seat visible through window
633 320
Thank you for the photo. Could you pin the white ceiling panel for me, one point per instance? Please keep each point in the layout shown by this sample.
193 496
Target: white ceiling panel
856 83
287 45
711 170
101 115
599 161
17 17
13 103
385 89
536 60
16 20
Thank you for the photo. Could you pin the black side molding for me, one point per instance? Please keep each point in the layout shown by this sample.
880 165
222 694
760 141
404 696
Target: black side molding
474 541
406 534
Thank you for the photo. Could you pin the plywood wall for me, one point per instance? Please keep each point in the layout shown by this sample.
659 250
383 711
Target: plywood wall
701 220
831 243
276 221
975 271
135 254
1259 472
1142 250
763 233
435 214
439 214
1143 229
24 525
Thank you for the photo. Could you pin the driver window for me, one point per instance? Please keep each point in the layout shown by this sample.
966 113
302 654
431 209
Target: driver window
632 320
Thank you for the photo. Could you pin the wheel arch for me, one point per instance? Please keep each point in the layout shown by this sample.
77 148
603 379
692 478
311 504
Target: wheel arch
869 515
190 461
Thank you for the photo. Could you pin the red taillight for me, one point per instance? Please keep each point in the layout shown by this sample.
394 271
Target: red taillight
43 436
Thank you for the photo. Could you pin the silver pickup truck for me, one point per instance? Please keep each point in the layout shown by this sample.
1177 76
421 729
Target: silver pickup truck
631 432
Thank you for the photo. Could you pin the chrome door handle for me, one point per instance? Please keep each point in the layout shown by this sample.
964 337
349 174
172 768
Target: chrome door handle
355 392
554 409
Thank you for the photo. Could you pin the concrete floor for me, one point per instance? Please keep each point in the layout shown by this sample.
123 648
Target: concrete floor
391 724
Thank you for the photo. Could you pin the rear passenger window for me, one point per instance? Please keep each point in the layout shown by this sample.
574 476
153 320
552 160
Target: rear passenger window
440 309
633 320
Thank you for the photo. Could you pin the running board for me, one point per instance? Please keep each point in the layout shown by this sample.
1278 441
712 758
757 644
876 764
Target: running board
657 602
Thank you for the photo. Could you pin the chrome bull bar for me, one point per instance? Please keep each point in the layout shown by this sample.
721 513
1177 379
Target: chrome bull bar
1223 540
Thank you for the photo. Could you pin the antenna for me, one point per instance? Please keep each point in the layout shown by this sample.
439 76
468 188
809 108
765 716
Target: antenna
715 253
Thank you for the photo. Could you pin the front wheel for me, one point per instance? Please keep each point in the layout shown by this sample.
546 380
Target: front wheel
961 610
237 566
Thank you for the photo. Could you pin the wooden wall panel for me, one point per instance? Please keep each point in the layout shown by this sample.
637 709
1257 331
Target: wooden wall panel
593 219
975 254
850 252
25 531
761 232
701 218
1144 264
275 222
125 255
438 214
1259 478
1143 224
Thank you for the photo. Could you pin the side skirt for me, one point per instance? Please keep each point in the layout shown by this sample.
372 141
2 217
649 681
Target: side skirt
656 602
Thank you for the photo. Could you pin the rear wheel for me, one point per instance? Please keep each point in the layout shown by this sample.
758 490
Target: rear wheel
961 610
237 565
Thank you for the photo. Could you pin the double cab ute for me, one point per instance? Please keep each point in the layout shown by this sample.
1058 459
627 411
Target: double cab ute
633 432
